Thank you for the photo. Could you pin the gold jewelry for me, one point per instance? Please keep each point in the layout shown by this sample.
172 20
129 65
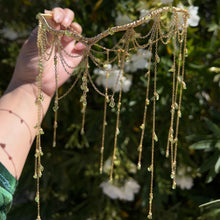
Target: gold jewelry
165 26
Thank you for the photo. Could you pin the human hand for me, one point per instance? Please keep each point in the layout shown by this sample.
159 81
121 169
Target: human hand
26 68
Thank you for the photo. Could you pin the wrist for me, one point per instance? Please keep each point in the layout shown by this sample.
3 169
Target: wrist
21 99
19 116
28 92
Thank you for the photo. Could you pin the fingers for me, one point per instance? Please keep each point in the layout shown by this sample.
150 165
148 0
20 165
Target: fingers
79 47
63 16
76 27
63 19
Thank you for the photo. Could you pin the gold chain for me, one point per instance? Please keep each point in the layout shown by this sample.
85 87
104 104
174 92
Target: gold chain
172 31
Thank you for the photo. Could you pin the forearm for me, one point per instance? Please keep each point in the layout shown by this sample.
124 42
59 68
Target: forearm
18 117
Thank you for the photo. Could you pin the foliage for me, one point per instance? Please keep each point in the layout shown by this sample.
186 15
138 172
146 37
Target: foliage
70 186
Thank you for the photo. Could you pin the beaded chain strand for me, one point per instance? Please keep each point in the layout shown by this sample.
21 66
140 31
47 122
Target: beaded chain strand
159 33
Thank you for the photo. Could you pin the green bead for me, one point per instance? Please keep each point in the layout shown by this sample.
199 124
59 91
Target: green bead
142 126
172 69
41 97
110 31
41 168
183 84
186 52
37 199
112 103
171 138
41 131
155 137
174 185
139 166
157 58
55 108
150 168
68 33
176 105
107 99
39 174
156 96
118 131
140 148
147 101
84 78
38 16
150 41
150 216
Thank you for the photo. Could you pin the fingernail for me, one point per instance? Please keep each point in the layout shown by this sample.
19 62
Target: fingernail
47 11
65 22
56 18
80 46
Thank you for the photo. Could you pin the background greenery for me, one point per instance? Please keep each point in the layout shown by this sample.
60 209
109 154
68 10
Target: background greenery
70 187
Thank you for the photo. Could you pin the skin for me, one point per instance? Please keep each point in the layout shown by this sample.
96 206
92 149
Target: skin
17 130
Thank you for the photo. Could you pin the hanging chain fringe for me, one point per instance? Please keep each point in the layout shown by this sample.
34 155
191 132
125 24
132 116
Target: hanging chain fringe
169 31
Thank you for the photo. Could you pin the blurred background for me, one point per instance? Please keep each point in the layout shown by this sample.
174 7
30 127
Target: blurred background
71 186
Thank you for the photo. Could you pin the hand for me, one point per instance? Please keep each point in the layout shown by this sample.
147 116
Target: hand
26 68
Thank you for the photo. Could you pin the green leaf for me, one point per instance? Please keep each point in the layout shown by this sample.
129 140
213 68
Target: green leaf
213 127
217 166
210 210
213 27
217 145
202 145
196 66
211 175
215 114
212 204
208 164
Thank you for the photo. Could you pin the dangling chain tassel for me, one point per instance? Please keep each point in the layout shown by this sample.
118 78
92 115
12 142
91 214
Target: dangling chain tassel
160 32
56 106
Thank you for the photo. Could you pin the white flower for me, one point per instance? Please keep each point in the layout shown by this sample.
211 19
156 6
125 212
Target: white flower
206 96
9 33
122 19
113 73
166 1
138 61
130 188
217 76
132 168
184 180
194 18
107 165
217 79
143 12
126 192
111 190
